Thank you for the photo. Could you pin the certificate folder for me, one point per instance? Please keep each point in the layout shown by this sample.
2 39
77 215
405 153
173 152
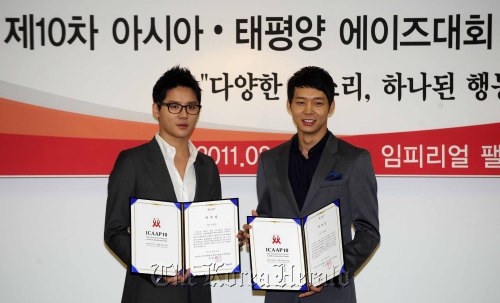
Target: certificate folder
290 254
167 238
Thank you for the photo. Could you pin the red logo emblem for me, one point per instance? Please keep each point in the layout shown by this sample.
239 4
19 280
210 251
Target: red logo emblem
156 222
276 239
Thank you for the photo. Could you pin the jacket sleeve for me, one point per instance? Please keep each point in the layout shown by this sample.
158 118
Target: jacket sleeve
215 191
263 196
121 186
364 210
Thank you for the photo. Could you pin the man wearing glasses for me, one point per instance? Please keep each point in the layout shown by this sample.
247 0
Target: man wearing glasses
170 168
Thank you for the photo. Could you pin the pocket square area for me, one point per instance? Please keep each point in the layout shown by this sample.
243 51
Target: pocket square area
332 176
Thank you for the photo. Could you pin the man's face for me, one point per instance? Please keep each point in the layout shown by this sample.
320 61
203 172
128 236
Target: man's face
181 125
310 110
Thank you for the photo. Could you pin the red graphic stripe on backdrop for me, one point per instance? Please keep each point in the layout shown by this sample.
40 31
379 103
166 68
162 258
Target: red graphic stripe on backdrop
18 118
24 155
459 151
471 151
39 155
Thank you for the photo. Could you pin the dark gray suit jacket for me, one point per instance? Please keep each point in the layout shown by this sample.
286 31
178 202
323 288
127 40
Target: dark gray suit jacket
344 172
141 172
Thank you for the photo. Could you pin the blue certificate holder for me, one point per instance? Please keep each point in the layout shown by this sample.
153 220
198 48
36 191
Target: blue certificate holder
311 246
168 237
155 234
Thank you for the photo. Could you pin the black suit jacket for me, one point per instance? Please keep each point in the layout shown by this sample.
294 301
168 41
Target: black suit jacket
344 172
142 172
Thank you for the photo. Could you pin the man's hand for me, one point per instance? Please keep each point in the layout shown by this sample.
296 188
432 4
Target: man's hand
178 279
244 235
312 290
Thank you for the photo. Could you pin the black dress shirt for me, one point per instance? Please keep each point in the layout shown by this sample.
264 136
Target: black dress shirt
301 170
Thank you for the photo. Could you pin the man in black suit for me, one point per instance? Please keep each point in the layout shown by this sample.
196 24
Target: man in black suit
167 168
313 169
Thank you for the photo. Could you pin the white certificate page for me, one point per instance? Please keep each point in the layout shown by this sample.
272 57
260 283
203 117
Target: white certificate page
323 244
277 255
211 243
156 237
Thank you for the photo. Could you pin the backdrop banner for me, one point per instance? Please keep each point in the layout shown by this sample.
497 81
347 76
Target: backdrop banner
420 89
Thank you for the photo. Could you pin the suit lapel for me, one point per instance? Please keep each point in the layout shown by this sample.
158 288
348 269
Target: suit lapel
326 163
201 179
157 168
282 175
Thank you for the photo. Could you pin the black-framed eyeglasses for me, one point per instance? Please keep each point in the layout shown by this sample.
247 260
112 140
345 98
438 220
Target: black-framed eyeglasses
175 108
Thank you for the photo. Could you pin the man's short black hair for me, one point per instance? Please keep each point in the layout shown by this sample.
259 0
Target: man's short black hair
176 76
313 77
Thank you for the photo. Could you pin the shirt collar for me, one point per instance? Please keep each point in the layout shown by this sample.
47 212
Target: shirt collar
169 151
316 149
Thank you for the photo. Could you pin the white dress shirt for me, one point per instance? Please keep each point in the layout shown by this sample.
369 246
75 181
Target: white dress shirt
184 189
